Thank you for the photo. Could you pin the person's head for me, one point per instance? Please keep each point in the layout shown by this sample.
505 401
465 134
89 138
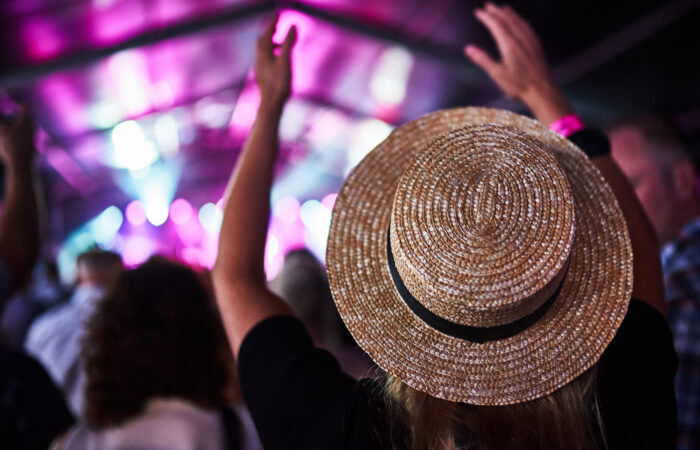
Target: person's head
155 334
656 159
483 262
302 283
98 268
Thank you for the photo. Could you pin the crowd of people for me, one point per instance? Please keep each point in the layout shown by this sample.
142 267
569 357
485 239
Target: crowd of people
492 282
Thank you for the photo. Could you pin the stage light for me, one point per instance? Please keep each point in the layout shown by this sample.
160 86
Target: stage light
167 137
131 150
105 226
180 211
272 246
157 213
274 259
294 120
137 249
156 207
190 233
367 134
390 77
210 217
329 200
104 114
211 113
246 107
135 213
287 209
162 95
129 72
41 38
317 220
103 4
326 128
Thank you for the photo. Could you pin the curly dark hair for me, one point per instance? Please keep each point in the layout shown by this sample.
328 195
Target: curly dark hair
155 334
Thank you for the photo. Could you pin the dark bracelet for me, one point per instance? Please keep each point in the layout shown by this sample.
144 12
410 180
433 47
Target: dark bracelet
592 142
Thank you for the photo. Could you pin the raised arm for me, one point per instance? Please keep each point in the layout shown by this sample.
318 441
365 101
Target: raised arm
239 276
523 74
19 225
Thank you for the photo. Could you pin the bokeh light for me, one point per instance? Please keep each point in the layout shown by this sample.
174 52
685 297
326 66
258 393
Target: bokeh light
368 134
287 209
131 150
137 249
156 212
135 213
390 77
181 211
210 217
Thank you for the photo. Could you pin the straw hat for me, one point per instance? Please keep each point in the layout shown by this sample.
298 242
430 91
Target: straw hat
479 257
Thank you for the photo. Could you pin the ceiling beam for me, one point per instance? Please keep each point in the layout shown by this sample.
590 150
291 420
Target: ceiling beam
22 76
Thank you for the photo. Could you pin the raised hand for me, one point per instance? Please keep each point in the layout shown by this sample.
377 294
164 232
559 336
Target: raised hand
17 141
522 73
273 66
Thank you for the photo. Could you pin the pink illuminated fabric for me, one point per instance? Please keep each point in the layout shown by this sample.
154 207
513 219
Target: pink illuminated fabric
567 125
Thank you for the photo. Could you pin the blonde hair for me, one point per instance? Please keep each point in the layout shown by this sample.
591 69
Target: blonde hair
562 419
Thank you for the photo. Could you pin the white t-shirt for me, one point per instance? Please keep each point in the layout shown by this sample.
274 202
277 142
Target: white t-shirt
55 339
171 424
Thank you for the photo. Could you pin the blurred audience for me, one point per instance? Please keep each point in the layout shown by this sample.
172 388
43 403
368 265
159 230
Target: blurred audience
32 410
303 284
43 292
55 337
158 367
655 157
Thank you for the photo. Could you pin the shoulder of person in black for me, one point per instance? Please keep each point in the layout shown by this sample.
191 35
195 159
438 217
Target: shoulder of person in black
299 397
32 409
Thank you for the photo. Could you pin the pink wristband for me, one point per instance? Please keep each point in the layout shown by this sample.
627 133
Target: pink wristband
567 125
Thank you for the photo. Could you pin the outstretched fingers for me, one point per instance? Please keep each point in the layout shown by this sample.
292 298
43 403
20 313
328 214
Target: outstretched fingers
519 28
265 45
483 60
289 40
499 31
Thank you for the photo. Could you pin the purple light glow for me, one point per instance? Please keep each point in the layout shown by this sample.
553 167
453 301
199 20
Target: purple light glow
274 258
135 213
289 232
287 209
162 95
62 162
192 256
63 104
329 200
175 10
326 128
128 73
190 233
41 38
246 107
309 50
137 249
113 22
181 211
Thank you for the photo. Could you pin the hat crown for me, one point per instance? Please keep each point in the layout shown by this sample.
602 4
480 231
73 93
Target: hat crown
482 225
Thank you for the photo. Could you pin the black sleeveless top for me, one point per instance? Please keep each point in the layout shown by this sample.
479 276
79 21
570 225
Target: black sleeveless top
300 399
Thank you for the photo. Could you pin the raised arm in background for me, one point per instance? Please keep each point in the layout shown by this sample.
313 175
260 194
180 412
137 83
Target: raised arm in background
239 276
19 225
523 74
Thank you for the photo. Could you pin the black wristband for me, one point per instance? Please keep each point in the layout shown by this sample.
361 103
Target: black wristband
592 142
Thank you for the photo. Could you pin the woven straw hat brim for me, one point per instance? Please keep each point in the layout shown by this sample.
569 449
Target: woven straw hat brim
565 342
